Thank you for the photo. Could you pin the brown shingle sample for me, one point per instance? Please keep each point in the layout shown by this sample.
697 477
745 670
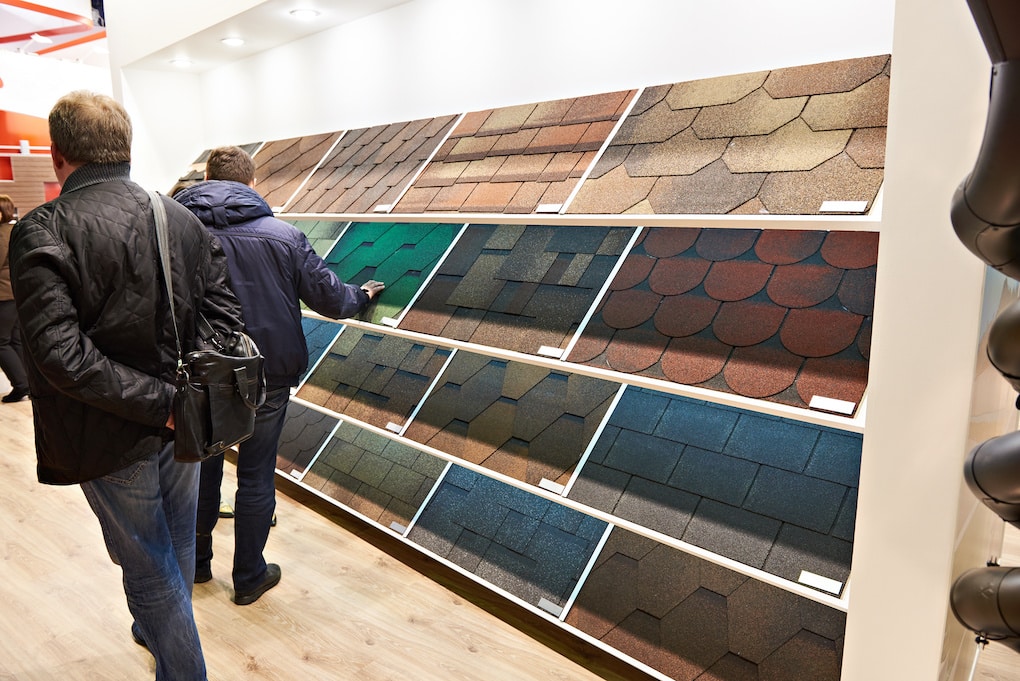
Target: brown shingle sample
781 141
690 619
516 158
371 166
282 165
775 314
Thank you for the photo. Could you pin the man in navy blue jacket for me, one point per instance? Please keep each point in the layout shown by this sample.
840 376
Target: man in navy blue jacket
272 270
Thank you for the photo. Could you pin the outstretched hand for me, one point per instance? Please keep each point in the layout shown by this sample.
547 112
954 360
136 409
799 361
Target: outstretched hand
373 288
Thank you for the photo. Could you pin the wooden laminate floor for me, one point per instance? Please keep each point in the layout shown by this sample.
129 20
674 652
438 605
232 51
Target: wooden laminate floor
352 604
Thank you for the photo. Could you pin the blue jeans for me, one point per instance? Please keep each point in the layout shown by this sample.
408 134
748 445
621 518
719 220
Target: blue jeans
255 500
147 512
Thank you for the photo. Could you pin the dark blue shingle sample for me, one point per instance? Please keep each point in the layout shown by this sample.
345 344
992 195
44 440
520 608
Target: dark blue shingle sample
691 619
519 542
304 432
319 335
769 492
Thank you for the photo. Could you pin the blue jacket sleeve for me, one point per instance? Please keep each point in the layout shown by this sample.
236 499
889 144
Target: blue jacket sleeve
321 290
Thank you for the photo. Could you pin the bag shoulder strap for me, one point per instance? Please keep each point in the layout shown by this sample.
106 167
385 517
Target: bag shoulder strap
163 246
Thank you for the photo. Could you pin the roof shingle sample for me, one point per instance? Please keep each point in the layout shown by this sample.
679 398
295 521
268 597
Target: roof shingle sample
778 315
304 433
527 422
771 493
690 619
401 255
781 141
531 547
518 287
375 378
322 234
382 479
319 336
281 166
371 166
517 158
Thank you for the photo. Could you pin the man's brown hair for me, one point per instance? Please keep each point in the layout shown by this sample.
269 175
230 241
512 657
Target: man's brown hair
88 127
230 163
6 209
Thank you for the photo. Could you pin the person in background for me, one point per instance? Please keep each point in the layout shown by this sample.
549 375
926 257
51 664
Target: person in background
10 333
101 358
273 269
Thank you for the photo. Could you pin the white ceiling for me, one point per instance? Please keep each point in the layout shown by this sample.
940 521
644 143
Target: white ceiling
263 27
21 19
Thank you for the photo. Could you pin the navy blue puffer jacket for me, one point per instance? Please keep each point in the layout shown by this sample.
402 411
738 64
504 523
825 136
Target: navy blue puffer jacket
272 269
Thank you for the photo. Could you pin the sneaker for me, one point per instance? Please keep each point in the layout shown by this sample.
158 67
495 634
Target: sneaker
271 579
272 522
16 395
225 510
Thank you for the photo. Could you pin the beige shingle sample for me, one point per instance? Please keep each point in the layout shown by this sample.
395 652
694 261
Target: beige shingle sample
793 147
780 131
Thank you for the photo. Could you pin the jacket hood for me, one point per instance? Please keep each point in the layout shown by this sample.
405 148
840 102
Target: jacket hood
222 203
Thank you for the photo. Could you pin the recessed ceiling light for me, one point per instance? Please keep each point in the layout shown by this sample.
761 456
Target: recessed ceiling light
181 62
232 42
39 38
304 14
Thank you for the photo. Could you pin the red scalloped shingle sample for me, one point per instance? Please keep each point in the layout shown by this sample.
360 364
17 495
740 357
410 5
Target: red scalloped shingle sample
725 244
685 315
819 333
857 290
747 322
839 379
761 370
737 279
675 276
756 322
630 308
665 243
785 247
803 285
635 350
694 359
851 250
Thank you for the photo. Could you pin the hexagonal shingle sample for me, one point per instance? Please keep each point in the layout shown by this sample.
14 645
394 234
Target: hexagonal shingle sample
774 494
519 542
780 142
525 421
382 479
304 433
370 167
517 158
282 166
375 378
401 255
518 287
778 315
690 619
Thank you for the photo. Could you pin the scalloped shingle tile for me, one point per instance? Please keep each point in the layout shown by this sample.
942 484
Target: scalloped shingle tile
784 329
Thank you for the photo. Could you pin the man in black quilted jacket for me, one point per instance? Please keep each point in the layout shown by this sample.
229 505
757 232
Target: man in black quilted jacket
273 269
101 359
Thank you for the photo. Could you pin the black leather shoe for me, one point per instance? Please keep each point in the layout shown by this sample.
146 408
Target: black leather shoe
16 395
271 579
203 574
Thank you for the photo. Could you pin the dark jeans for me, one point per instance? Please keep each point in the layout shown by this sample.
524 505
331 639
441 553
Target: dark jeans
10 346
255 501
147 512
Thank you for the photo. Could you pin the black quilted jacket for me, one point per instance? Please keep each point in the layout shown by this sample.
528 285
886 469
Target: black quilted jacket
99 345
